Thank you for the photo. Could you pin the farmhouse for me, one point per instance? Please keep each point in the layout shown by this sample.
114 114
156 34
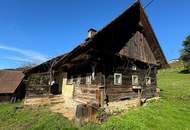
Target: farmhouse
118 62
11 85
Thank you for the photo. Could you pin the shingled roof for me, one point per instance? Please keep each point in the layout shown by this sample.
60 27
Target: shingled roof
10 80
45 66
142 18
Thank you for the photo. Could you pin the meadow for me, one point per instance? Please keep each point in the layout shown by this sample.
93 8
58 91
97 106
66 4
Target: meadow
170 112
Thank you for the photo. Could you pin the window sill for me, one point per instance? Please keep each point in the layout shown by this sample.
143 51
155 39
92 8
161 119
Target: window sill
117 84
136 87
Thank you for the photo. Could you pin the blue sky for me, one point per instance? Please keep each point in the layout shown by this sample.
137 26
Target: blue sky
36 30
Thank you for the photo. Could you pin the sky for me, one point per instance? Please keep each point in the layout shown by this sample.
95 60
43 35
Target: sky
32 31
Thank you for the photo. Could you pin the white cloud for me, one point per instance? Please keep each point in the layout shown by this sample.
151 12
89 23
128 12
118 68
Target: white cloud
28 55
16 58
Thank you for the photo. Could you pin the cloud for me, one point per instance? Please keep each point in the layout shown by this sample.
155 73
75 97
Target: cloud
16 58
28 55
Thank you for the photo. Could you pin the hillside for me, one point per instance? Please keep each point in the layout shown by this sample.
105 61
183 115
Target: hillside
172 111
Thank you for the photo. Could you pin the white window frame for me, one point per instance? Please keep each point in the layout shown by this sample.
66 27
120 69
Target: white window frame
148 80
136 81
93 72
134 67
88 79
119 82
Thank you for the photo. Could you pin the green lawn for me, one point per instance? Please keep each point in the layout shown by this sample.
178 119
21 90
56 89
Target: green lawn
171 112
33 119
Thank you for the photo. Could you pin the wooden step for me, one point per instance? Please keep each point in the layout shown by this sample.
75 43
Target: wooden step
36 101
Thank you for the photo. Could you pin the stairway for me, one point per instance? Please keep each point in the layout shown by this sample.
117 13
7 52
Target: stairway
59 104
56 103
56 99
36 101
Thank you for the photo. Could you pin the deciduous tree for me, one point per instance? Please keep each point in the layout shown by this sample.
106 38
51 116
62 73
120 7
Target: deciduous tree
185 53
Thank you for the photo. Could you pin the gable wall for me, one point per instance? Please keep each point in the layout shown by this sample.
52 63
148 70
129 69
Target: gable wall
137 48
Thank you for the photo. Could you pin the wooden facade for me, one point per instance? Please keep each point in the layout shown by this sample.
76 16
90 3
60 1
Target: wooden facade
119 62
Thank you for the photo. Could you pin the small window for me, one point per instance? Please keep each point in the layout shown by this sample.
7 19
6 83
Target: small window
117 79
88 79
70 80
93 72
148 80
134 67
135 80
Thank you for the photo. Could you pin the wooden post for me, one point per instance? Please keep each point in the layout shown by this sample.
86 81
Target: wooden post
100 96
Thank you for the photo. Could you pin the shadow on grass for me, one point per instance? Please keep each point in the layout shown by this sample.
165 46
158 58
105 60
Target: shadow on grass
185 71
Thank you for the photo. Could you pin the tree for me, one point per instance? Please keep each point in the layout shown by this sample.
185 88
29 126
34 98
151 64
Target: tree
26 66
185 53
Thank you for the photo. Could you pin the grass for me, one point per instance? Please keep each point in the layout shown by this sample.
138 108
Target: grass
33 119
171 112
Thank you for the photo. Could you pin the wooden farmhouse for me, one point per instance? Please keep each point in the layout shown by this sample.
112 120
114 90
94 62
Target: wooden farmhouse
118 62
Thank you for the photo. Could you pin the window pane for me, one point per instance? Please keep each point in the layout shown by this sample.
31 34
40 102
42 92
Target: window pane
117 79
135 80
148 81
88 79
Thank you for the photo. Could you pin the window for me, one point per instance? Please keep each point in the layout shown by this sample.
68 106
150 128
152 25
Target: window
134 67
148 80
117 79
88 79
70 80
93 72
135 80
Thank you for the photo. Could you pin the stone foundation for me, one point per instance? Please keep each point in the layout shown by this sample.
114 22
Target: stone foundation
122 105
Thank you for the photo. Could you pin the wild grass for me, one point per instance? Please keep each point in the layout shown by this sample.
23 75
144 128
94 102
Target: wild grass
171 112
12 118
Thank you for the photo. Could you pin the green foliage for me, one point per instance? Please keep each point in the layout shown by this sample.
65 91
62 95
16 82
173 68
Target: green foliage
185 52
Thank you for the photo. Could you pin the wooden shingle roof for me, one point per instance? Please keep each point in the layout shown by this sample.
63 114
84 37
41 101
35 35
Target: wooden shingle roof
10 80
135 12
141 17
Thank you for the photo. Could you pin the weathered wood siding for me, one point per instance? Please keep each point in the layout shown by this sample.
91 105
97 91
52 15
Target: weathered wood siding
38 85
126 91
87 92
137 48
5 97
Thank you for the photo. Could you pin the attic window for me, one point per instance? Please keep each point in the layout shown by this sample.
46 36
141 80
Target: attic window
135 80
117 79
148 80
88 79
